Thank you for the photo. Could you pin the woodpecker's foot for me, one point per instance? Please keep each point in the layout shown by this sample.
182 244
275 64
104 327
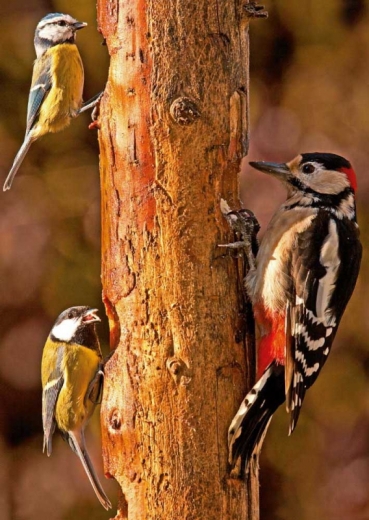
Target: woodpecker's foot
246 227
255 10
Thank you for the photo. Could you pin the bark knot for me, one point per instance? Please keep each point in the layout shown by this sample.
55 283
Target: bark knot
179 371
184 111
115 419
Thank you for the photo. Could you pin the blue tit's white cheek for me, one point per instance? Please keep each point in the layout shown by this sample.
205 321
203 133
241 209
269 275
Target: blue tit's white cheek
65 330
55 33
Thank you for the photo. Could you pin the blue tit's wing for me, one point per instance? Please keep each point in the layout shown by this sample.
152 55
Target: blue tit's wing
40 87
49 398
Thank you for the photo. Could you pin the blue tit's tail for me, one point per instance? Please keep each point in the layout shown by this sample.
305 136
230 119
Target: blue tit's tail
18 161
247 430
80 449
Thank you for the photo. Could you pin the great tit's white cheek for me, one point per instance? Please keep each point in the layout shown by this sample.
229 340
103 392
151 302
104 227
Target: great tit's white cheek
65 330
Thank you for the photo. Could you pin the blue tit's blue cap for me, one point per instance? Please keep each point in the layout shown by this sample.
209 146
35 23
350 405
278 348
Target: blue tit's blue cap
57 16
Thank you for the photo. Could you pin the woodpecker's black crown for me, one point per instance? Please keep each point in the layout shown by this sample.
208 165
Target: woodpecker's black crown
330 161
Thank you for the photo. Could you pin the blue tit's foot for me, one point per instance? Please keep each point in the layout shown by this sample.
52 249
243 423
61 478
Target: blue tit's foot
255 10
91 103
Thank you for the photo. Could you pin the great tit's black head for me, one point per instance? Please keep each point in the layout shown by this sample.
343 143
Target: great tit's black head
55 28
320 173
76 325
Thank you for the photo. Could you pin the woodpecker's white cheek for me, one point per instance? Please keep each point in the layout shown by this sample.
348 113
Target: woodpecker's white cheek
327 182
65 330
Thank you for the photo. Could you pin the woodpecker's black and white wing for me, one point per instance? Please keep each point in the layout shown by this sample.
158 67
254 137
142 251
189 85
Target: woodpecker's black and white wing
49 398
324 267
40 87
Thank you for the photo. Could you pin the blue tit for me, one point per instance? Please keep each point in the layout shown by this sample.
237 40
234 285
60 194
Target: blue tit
72 382
57 83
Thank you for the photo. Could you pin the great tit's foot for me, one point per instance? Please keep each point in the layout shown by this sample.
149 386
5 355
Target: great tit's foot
245 227
94 390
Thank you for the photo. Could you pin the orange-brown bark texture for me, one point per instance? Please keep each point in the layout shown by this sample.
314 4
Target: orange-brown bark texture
173 130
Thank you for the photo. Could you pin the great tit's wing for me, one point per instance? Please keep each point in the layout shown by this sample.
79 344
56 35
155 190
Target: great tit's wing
49 398
40 87
321 290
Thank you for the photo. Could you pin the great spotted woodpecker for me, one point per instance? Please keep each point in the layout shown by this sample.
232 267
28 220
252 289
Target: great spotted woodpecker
305 272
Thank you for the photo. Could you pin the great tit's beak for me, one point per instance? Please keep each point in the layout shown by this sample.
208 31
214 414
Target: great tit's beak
91 316
279 170
79 25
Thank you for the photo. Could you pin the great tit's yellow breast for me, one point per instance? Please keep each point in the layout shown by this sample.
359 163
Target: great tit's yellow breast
80 365
65 96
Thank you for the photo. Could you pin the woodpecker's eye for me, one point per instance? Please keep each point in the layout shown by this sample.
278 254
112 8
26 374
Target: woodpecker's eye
71 315
63 23
308 168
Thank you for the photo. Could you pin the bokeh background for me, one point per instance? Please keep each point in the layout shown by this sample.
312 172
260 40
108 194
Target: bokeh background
309 92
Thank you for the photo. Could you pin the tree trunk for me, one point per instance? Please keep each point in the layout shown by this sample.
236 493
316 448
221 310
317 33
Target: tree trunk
173 131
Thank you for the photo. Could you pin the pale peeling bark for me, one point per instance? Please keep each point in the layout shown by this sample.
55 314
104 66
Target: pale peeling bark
173 131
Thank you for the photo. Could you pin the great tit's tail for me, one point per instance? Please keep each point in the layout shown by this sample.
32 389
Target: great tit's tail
79 447
18 161
247 430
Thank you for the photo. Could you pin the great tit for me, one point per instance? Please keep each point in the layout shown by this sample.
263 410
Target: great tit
72 383
57 83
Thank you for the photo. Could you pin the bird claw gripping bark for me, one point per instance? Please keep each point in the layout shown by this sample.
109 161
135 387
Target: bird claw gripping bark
255 10
246 227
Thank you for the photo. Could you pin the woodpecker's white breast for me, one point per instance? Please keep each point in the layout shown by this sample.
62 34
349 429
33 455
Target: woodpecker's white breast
270 281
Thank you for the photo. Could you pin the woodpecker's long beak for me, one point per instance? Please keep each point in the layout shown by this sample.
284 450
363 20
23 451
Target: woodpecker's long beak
91 316
79 25
279 170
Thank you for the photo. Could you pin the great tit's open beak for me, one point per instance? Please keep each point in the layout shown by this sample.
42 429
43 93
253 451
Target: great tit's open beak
79 25
91 316
279 170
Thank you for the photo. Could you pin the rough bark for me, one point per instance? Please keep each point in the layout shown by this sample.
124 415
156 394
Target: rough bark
173 132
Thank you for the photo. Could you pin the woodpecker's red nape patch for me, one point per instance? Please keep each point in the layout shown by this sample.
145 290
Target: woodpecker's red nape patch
351 175
272 343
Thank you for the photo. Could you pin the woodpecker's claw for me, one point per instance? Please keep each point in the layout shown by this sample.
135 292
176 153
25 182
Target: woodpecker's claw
245 227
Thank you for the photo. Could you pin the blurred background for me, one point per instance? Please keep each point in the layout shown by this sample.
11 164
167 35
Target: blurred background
50 260
309 92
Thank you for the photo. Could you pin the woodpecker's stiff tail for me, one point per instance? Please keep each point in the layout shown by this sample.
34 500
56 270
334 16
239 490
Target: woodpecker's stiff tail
81 451
254 414
18 161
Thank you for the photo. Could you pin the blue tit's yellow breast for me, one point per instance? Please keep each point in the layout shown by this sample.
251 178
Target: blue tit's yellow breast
79 367
65 96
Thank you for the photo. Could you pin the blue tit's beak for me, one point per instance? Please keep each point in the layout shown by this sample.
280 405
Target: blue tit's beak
79 25
279 170
91 316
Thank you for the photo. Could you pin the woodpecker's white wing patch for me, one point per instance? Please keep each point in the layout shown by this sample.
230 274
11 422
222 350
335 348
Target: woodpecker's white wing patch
330 260
312 324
